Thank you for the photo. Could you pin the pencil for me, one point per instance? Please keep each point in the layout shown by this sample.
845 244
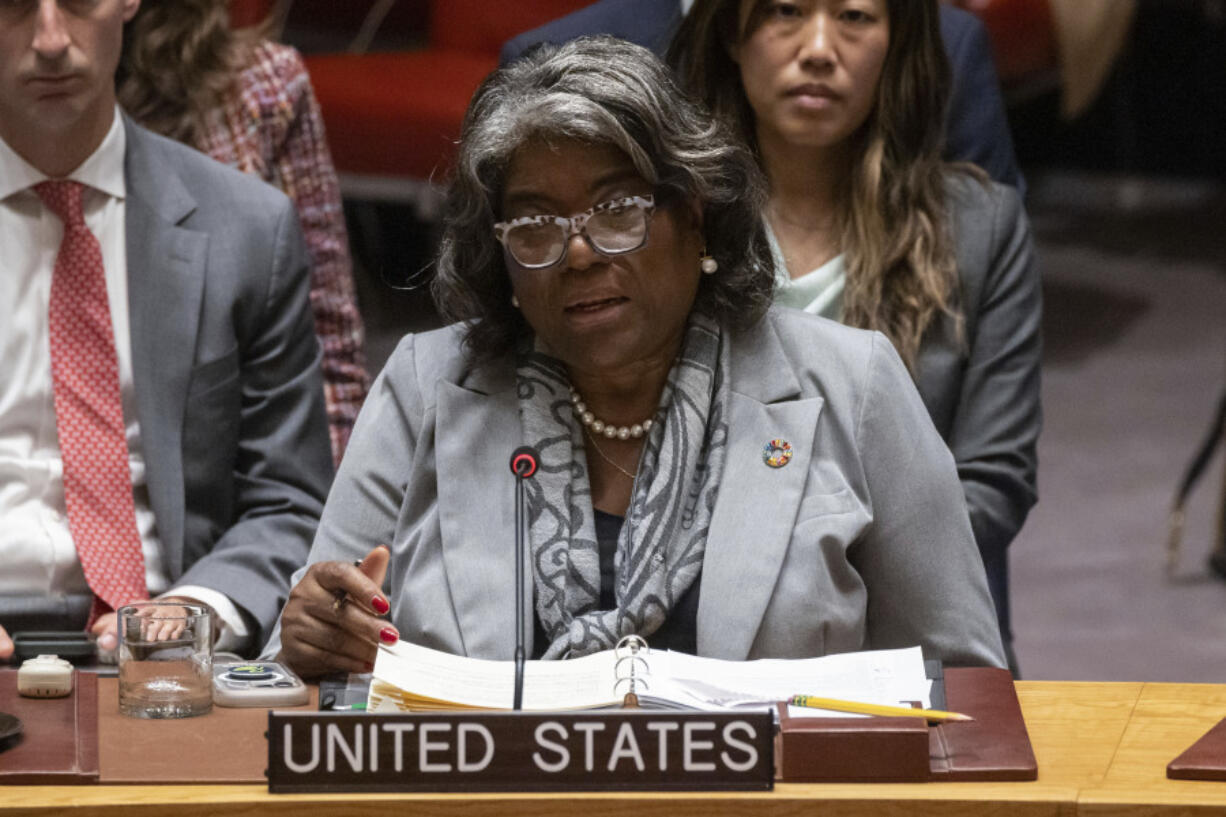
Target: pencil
837 705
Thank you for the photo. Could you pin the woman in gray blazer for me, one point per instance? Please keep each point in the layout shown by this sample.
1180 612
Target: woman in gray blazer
844 105
705 481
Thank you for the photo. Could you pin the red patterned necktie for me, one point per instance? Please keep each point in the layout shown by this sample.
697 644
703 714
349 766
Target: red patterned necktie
89 411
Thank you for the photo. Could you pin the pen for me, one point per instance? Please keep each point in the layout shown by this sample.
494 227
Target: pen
339 597
837 705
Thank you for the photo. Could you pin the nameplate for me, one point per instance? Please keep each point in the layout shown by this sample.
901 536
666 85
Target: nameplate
520 751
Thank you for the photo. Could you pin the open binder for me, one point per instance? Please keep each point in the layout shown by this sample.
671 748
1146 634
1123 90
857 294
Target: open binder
411 678
810 746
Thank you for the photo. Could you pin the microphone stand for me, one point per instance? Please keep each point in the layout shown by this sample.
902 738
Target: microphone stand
523 464
521 491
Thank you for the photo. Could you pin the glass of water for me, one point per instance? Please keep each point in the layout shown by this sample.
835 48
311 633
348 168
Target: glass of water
165 660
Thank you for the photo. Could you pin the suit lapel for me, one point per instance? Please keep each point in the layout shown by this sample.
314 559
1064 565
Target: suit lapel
166 270
477 428
751 526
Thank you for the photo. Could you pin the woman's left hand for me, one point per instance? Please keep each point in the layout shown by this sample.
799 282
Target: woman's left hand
333 618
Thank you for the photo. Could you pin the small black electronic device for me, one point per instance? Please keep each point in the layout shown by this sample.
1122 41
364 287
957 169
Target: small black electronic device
10 731
76 646
257 683
344 692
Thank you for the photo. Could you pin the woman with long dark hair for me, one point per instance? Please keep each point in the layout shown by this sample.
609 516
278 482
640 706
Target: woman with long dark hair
843 102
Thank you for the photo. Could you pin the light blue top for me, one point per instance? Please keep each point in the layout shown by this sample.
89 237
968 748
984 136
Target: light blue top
819 292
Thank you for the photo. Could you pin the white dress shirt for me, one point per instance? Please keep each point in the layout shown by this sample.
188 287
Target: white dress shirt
36 547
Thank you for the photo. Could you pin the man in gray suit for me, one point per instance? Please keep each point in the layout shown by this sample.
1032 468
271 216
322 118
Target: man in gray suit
203 379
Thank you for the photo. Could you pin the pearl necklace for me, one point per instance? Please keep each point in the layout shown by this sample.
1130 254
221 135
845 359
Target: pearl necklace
609 430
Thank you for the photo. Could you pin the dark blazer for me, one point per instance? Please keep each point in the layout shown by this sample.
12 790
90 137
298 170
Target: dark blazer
649 23
982 391
226 371
977 130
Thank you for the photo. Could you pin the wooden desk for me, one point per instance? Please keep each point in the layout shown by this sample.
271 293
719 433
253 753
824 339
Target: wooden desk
1102 750
1167 719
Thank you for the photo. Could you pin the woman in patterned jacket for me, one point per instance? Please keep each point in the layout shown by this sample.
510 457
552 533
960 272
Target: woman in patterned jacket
248 103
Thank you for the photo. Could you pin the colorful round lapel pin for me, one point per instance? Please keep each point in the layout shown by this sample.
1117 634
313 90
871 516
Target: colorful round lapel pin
777 453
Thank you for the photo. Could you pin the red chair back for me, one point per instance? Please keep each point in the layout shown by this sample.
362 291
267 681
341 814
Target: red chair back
345 16
397 115
483 26
247 13
1022 33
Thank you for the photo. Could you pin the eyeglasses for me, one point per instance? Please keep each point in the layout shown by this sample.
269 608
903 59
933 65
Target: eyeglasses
612 228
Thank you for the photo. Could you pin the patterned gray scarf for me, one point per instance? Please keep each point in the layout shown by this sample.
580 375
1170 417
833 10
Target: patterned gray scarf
663 539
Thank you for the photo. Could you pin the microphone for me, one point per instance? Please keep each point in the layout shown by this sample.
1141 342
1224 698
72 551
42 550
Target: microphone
524 462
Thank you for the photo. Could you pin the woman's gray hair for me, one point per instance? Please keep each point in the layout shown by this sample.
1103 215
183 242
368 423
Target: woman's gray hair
607 92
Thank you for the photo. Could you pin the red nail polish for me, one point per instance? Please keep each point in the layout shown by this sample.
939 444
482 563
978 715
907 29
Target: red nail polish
389 635
380 605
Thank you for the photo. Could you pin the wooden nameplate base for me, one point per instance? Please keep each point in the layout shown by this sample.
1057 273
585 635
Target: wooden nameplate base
623 750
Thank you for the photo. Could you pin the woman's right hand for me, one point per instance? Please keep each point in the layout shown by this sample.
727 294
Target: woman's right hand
320 634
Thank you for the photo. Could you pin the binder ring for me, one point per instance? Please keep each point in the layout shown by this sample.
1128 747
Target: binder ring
629 649
631 644
631 677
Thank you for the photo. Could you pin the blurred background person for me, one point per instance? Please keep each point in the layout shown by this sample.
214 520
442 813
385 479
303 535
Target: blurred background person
843 104
247 102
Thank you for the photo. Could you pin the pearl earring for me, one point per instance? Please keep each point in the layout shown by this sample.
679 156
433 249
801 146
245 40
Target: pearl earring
515 302
708 264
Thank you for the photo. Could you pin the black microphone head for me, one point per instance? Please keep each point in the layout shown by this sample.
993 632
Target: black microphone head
524 461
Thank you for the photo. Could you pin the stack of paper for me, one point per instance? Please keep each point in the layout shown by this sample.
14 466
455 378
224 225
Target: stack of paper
408 677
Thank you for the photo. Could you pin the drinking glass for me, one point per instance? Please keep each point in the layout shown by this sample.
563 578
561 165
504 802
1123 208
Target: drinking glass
165 660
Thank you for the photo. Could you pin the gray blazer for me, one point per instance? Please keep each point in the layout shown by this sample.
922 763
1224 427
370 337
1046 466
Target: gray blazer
983 391
861 541
226 370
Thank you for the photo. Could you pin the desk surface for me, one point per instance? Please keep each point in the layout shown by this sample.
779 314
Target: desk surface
1102 749
1167 719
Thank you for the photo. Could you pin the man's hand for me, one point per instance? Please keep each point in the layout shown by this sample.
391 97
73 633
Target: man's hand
107 630
6 645
168 622
165 622
332 621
